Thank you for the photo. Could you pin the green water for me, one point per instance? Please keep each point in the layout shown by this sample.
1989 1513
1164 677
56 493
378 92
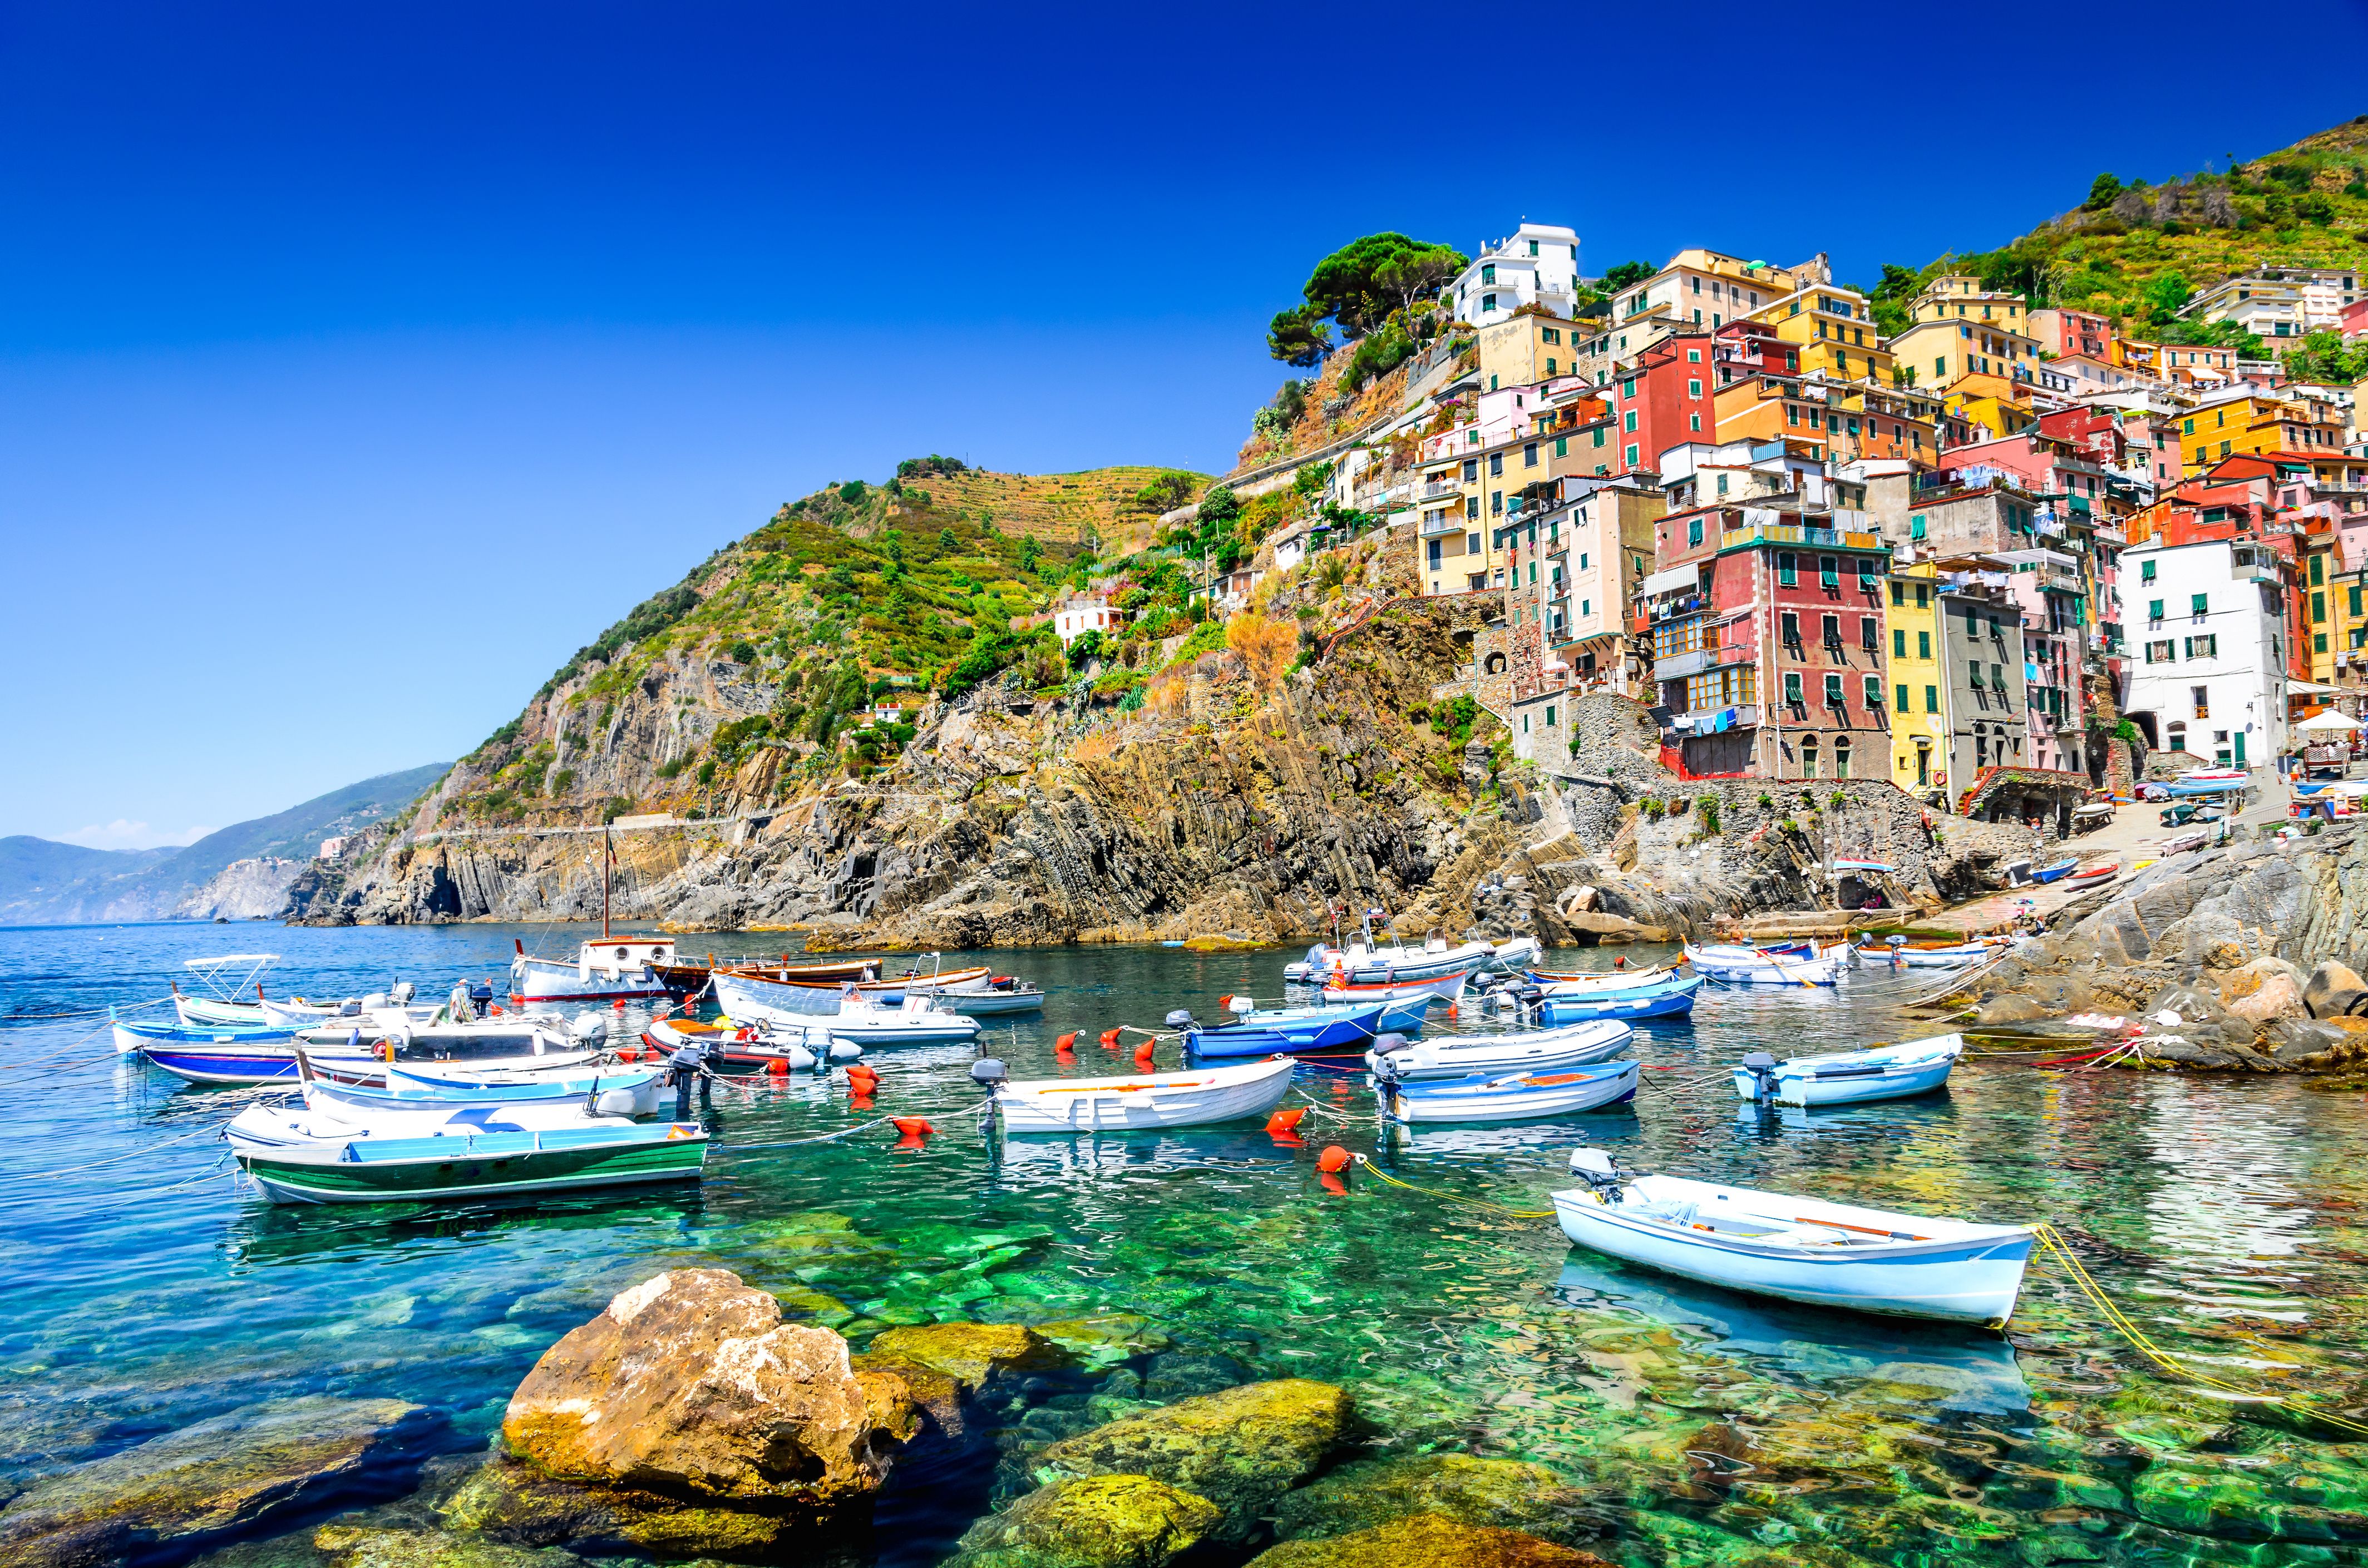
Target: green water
146 1291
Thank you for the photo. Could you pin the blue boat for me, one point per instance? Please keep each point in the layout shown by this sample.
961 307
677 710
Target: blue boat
1283 1030
2063 867
219 1053
1664 999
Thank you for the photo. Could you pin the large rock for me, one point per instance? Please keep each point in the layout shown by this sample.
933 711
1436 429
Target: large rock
1434 1541
513 1504
1507 1493
371 1546
1100 1521
689 1385
1241 1449
2265 988
2333 991
973 1354
172 1496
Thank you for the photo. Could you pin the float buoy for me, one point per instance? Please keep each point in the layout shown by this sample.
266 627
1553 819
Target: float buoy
1110 1040
911 1127
1283 1123
1142 1054
1333 1160
619 1003
1066 1043
778 1067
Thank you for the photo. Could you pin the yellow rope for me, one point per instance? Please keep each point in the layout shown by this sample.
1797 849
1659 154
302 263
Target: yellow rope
1380 1175
2053 1242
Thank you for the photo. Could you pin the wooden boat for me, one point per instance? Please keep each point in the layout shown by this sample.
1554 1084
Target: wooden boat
891 988
1535 1051
1001 996
1279 1030
1516 1097
1885 1072
846 1015
1579 982
615 1093
2057 872
1801 1249
1189 1099
1671 998
1928 955
472 1165
682 978
1765 966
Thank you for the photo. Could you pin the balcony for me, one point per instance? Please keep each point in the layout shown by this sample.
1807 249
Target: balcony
1434 527
1797 533
1439 489
1684 726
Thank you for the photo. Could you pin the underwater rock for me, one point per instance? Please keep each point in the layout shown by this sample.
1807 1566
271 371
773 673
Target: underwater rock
2010 1010
1432 1540
973 1354
171 1495
1241 1449
1100 1521
691 1386
1507 1493
2306 1498
1106 1338
513 1504
352 1546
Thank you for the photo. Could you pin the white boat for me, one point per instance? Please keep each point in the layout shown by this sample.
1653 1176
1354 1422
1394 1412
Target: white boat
1368 962
322 1123
611 969
1758 966
1885 1072
1802 1249
1566 982
616 1092
1899 954
297 1013
1517 954
847 1015
1187 1099
994 1001
1516 1097
225 978
1492 1055
1444 988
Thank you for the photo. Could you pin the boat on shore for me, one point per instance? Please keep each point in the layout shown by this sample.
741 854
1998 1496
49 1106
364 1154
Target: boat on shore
1513 1097
1900 953
1192 1097
1463 1056
1800 1249
2056 871
1852 1077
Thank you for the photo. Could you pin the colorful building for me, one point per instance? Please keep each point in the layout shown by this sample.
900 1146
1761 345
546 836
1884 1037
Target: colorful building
1537 265
2209 678
1919 718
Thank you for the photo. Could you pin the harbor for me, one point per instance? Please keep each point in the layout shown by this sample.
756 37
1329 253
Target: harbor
1303 1231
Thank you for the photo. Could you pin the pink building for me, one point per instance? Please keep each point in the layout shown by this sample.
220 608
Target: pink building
2067 332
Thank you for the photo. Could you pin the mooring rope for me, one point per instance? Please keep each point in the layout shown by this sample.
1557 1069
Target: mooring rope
1367 1165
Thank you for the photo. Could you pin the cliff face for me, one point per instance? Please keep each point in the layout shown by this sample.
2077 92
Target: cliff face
244 890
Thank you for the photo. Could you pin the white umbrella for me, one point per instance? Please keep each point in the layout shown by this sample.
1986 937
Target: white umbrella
2330 720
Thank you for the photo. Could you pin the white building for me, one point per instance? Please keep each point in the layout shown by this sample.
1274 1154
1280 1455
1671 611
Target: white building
2207 639
1538 266
2279 302
1076 619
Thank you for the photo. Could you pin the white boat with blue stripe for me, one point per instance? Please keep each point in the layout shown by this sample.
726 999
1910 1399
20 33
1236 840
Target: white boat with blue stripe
1852 1077
1801 1249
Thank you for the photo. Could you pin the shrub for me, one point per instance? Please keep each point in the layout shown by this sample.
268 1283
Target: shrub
1085 649
1678 806
1652 808
1837 799
1707 813
852 492
742 652
1265 646
1767 802
707 771
1455 718
617 806
562 781
990 654
669 768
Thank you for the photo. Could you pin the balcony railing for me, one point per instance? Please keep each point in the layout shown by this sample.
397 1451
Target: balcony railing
1435 526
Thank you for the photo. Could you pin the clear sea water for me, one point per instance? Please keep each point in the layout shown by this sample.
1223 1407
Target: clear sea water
144 1289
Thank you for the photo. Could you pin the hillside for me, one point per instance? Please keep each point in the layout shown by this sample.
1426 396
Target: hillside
2137 246
42 883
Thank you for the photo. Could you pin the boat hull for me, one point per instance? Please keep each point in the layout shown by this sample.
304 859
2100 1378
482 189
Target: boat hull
990 1004
1970 1279
504 1164
1673 1001
199 1011
1161 1100
1546 1050
1522 1097
794 1006
542 980
1824 970
1282 1038
1859 1077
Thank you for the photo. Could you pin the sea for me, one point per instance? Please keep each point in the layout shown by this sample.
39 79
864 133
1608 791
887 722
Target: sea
148 1286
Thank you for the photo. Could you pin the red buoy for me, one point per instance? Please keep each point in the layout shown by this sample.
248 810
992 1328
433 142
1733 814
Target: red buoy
619 1003
1066 1043
1142 1054
911 1127
1283 1122
1333 1158
1110 1040
778 1067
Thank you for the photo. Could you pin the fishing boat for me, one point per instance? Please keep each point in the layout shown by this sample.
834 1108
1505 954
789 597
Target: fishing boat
733 1050
684 976
1764 966
216 1054
2093 876
1672 997
1001 996
296 1012
1187 1098
974 979
612 968
1852 1077
463 1162
1514 1096
1801 1249
226 979
1579 982
1517 954
846 1015
1461 1056
595 1093
1900 953
1279 1030
2057 872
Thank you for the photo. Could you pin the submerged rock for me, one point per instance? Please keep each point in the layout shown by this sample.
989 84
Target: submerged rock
513 1504
352 1546
1508 1494
1241 1449
1433 1540
1100 1521
1105 1339
172 1496
973 1354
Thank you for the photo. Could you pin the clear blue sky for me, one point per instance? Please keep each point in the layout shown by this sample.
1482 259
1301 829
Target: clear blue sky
356 365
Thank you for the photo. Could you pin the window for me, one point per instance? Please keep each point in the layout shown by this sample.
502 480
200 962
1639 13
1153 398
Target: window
1874 694
1869 634
1974 669
2202 698
1788 626
2145 572
1561 446
2318 572
2351 600
1628 390
1471 544
1902 692
1693 423
1496 464
1631 457
1828 576
1833 690
1923 644
1496 503
1916 528
2204 647
1598 435
1472 506
1693 532
2319 642
2159 653
2154 611
1693 389
1529 455
1920 600
1931 700
1793 687
1899 593
1693 357
2317 601
1899 644
2201 605
1488 301
1788 574
1628 423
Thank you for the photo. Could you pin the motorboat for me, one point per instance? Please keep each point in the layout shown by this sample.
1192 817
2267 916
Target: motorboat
1900 953
627 1092
296 1012
1369 962
1766 966
1002 995
1187 1098
1801 1249
315 1121
610 970
1668 998
1279 1030
1463 1056
734 1048
1442 988
297 1155
1512 1097
1517 954
1851 1078
1579 982
226 978
848 1014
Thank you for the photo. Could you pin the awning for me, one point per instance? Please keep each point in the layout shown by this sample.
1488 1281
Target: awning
2314 688
2330 720
1670 581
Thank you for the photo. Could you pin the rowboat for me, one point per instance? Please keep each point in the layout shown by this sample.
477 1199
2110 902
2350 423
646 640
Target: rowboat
1802 1249
2061 869
1001 996
2093 876
1671 998
1928 955
1461 1056
1444 988
1578 982
628 1093
1279 1030
315 1121
912 982
1885 1072
491 1163
684 976
1516 1097
1765 966
845 1014
1154 1100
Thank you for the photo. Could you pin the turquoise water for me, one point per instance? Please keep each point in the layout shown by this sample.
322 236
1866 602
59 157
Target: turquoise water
146 1291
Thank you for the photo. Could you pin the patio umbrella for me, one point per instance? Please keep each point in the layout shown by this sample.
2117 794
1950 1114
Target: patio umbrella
2330 720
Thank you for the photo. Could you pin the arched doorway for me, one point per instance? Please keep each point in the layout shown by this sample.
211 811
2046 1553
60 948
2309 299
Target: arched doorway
1808 757
1842 758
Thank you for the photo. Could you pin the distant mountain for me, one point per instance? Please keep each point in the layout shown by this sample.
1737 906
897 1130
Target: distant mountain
46 883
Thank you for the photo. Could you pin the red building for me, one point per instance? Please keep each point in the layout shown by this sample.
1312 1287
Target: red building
1667 398
1767 629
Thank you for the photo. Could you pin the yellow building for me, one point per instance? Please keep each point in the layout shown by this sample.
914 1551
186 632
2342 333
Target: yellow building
2323 604
1919 718
1833 330
1524 350
2258 422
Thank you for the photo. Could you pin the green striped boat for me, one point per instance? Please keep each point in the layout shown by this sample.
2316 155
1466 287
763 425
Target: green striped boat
488 1165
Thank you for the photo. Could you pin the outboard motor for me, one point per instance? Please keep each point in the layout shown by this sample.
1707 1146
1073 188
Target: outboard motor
351 1008
1384 1066
403 991
988 1073
1763 1068
1600 1172
1385 1043
589 1027
1181 1019
481 995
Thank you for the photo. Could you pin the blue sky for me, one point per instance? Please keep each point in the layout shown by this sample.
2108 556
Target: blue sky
357 366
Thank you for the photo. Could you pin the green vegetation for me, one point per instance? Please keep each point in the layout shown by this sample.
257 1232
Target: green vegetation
1382 290
1453 719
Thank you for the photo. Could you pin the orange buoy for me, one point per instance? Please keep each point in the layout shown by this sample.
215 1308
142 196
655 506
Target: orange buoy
778 1067
1283 1122
1110 1040
1143 1052
1451 1010
1064 1053
862 1079
498 1012
1334 1185
1620 962
912 1126
1333 1159
1066 1043
619 1003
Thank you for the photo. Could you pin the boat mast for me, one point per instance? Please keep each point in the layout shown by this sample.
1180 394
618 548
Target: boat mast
608 859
